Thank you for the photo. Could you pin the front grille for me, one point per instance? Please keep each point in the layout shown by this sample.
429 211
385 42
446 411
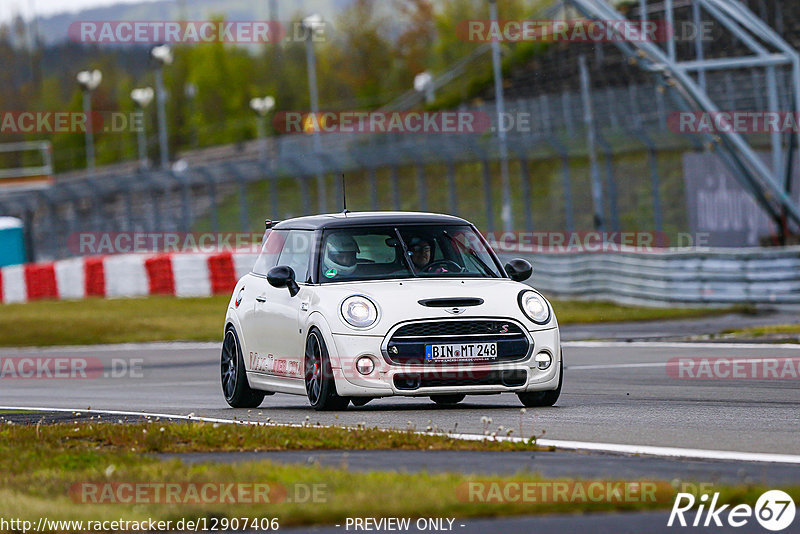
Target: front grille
457 328
407 345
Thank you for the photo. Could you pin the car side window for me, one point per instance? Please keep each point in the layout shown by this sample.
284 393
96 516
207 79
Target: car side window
296 253
271 247
372 248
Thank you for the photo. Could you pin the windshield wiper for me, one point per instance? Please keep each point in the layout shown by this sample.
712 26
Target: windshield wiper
406 253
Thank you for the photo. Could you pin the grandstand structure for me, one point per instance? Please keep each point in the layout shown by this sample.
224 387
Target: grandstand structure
31 167
683 74
630 90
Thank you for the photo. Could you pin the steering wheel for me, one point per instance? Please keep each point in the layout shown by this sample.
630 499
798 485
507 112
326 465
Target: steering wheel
442 266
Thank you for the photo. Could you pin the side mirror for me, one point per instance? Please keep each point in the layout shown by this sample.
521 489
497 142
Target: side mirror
283 276
519 270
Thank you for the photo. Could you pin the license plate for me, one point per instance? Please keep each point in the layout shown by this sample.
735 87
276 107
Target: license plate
461 351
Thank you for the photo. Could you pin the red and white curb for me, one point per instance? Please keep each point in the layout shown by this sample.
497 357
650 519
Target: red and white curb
125 275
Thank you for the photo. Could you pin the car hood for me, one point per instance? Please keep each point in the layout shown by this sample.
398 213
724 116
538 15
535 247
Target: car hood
398 301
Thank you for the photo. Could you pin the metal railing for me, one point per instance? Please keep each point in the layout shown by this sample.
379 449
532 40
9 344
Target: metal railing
173 201
713 277
440 172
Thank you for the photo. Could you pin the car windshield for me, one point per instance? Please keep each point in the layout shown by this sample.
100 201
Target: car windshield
378 253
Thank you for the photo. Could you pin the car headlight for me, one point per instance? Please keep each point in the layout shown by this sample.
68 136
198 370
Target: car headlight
359 312
534 306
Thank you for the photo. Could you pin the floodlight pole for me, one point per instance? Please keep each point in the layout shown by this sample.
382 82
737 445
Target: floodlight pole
141 141
311 65
142 98
89 80
506 213
88 130
588 118
161 97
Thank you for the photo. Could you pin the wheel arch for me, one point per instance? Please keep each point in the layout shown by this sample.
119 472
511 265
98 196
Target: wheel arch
232 319
318 321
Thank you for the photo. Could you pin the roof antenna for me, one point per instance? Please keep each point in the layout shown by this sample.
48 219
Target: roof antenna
344 196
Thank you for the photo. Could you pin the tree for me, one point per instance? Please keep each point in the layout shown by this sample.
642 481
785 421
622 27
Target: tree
414 44
366 56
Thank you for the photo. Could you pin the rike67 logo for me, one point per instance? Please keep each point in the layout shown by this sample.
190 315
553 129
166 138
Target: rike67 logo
774 510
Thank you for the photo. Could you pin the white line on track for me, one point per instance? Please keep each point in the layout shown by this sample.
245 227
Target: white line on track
616 366
676 345
178 384
646 450
122 347
673 363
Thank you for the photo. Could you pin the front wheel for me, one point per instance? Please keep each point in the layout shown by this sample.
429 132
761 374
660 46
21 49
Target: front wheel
320 385
237 391
538 399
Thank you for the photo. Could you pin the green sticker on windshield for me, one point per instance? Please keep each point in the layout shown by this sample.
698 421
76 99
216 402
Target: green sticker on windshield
330 273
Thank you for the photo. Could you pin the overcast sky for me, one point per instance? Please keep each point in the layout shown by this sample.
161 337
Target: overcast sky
26 8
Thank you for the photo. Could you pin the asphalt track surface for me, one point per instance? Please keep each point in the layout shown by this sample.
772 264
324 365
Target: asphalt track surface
676 329
548 464
614 393
617 393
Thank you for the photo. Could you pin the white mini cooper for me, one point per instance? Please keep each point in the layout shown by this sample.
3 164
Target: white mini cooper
354 306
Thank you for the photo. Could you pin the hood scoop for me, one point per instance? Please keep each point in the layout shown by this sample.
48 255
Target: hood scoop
454 302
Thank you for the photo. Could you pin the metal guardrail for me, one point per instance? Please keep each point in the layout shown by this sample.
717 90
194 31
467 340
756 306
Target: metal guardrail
762 277
710 277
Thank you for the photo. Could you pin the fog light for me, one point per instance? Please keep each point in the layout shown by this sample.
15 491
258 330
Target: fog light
543 360
365 365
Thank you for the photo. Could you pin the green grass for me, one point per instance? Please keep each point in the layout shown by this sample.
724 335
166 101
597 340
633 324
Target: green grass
759 331
92 321
777 333
574 311
95 321
43 469
156 436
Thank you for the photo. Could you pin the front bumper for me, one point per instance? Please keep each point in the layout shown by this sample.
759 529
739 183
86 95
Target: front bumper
390 379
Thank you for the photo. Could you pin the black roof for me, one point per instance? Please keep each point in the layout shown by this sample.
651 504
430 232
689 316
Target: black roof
366 218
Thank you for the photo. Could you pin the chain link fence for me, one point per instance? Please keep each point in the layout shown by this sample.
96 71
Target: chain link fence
235 189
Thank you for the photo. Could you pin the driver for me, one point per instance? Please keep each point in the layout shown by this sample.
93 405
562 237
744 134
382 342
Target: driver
420 250
340 255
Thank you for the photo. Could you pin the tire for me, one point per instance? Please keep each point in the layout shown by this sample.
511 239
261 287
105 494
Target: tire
235 388
320 384
539 399
448 400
